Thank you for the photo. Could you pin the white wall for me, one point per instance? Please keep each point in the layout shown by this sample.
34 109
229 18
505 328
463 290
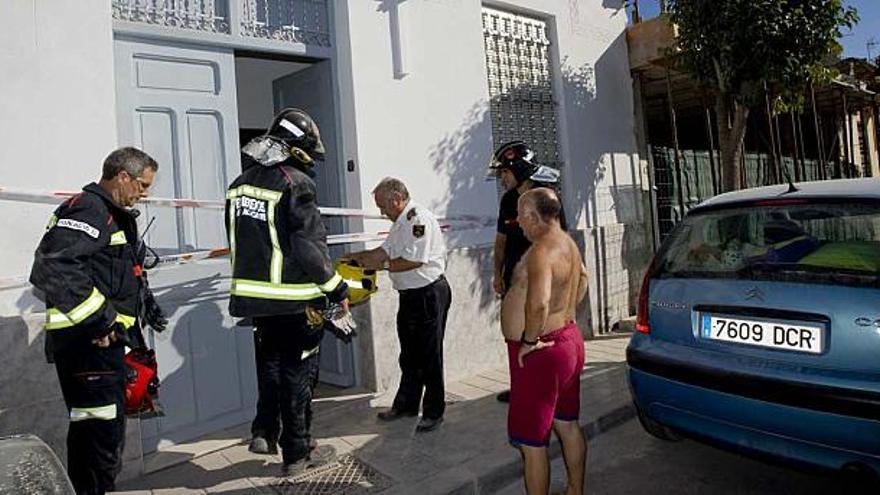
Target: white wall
253 83
57 103
57 123
431 127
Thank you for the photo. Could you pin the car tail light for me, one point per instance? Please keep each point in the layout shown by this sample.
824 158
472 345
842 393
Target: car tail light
642 324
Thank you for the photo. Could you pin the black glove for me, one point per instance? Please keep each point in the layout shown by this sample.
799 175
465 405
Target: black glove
153 314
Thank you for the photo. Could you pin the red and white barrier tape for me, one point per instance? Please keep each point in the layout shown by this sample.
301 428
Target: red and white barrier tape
466 222
55 197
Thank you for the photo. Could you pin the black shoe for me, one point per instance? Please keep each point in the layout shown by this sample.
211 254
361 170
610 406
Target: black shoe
260 445
427 424
392 414
503 396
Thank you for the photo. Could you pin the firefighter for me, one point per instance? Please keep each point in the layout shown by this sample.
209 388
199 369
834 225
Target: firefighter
87 266
515 166
281 270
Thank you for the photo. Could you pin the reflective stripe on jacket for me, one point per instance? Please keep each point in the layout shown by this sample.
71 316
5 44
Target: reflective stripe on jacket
280 261
85 266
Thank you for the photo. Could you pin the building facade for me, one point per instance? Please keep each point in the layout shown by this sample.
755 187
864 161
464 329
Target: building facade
422 90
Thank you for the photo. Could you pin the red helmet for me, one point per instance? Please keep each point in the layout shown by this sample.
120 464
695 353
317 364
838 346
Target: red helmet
141 382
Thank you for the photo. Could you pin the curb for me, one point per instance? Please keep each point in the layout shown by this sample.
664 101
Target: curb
503 475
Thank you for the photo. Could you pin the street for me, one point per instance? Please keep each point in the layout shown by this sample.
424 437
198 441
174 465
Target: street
626 460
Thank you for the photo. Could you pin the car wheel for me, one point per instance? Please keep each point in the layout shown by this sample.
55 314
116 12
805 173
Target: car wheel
656 429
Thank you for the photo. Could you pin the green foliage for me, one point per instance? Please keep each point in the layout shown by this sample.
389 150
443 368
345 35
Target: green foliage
739 47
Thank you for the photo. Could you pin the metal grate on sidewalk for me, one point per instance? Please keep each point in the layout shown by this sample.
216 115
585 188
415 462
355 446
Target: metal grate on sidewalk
347 476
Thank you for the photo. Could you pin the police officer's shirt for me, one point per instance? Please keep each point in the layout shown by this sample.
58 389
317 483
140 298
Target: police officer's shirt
416 236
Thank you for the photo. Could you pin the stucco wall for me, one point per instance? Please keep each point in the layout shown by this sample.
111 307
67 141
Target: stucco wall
58 122
430 127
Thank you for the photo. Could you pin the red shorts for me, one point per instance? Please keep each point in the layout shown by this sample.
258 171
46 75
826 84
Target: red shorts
546 388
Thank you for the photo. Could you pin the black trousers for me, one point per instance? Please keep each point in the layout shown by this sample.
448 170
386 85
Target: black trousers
286 381
93 385
421 325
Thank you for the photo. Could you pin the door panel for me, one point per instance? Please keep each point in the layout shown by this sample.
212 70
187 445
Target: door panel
178 104
183 105
311 90
205 131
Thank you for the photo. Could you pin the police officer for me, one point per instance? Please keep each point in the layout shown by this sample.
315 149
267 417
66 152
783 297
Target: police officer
280 269
415 256
88 268
515 166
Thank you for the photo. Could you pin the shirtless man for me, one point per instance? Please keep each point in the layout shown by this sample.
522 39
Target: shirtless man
545 347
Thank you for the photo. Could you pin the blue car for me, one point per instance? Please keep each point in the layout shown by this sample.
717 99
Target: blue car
759 326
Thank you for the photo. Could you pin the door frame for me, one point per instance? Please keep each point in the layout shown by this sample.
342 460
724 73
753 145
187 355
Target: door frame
338 54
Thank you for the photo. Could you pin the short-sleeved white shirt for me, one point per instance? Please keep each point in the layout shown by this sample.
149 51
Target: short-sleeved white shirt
416 236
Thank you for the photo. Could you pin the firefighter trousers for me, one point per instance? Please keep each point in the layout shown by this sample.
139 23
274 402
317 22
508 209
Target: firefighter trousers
93 384
287 372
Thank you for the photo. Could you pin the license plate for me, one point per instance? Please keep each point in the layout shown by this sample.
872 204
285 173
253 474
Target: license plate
792 336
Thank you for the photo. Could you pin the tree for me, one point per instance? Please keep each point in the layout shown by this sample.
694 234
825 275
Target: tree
740 48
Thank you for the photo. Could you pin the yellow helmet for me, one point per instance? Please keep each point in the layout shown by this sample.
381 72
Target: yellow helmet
362 283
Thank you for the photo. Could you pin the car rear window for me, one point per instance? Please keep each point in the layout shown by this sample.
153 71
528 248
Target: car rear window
828 243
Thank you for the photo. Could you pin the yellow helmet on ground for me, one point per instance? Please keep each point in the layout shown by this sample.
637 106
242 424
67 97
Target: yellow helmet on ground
362 283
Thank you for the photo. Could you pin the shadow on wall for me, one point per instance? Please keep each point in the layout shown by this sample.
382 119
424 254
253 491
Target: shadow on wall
205 363
597 189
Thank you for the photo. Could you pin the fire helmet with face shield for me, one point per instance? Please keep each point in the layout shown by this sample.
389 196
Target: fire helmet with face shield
293 133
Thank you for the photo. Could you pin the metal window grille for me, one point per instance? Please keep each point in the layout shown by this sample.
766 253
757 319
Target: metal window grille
520 82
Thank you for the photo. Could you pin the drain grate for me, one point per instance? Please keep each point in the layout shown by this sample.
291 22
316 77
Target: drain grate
347 476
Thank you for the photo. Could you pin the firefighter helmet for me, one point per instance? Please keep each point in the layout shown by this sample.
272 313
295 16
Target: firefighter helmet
519 158
361 282
298 130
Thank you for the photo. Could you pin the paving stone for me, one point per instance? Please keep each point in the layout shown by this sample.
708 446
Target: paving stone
468 454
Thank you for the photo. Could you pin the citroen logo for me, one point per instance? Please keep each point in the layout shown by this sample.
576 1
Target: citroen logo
755 293
867 322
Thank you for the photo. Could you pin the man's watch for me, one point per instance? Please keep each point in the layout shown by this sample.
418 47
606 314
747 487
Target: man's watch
522 340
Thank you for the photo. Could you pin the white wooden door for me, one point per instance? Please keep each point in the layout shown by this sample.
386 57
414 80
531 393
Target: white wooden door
178 103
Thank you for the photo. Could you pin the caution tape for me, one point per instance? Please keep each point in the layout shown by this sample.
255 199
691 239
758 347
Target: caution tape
464 222
54 197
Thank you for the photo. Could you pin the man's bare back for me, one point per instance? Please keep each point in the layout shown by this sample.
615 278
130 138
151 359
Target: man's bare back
557 254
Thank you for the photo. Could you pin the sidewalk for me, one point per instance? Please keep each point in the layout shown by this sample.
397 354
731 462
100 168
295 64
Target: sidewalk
468 454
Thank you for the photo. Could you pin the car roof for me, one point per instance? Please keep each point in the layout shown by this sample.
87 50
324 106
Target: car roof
868 188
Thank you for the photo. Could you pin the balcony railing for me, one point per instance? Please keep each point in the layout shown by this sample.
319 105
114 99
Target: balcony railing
200 15
302 21
294 21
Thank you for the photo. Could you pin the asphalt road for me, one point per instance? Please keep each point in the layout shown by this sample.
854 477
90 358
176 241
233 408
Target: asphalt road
626 460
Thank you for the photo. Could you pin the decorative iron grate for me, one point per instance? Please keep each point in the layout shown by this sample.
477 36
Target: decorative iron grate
301 21
293 21
200 15
520 82
348 476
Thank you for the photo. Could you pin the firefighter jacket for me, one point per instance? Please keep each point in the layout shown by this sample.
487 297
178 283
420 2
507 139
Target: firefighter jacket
280 262
87 268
